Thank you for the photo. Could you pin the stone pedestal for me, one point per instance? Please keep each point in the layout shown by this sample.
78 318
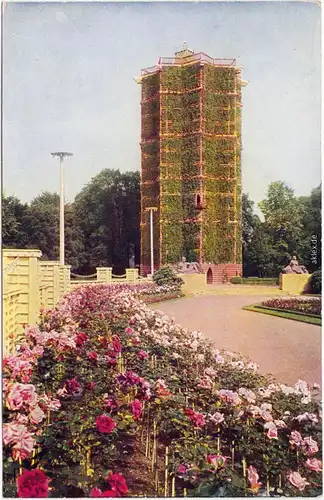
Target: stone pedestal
294 283
193 283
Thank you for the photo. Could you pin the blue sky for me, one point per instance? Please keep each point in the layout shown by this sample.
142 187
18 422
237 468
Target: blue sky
68 85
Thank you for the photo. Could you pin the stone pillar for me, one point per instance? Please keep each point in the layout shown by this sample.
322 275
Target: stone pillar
21 297
65 280
50 276
104 274
131 275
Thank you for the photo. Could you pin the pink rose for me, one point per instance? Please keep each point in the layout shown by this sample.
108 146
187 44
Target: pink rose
20 395
295 439
309 446
272 430
216 460
253 478
266 415
12 431
247 394
205 383
110 403
182 469
36 415
129 330
217 418
280 424
62 392
137 408
24 446
305 417
53 404
297 481
20 419
314 464
230 397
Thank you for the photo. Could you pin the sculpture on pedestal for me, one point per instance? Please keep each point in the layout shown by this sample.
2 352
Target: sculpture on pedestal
294 267
185 267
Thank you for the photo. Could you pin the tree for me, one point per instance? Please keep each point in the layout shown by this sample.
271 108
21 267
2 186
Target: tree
42 225
74 239
13 231
108 215
283 215
41 222
250 221
310 244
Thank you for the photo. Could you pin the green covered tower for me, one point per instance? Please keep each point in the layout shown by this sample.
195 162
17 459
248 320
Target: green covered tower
191 163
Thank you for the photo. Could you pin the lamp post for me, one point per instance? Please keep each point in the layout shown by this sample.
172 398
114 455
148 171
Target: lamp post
151 210
61 155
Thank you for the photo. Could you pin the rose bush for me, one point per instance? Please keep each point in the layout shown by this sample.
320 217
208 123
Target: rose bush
104 376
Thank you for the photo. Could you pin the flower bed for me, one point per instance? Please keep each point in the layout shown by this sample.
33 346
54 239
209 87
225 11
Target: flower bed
104 377
306 305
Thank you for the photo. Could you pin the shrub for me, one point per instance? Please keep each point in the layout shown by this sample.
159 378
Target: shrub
237 280
166 276
315 282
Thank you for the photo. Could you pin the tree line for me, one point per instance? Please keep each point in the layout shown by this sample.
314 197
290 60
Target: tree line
102 226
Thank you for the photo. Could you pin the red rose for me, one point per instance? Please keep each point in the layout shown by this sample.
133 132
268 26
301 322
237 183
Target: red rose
90 385
81 339
32 484
116 344
96 493
198 419
105 424
142 355
117 483
73 386
93 356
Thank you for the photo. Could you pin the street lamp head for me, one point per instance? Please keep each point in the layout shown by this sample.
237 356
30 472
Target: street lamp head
148 209
61 155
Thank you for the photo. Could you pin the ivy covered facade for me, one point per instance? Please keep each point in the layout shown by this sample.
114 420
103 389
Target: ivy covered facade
191 161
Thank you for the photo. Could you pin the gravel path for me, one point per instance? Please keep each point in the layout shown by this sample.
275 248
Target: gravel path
290 350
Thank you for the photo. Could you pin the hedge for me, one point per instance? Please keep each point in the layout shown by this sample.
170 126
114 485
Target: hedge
254 281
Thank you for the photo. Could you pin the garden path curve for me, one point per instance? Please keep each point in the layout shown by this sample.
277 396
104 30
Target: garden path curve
290 350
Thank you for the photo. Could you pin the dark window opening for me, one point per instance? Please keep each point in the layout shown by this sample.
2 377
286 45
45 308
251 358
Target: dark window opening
198 202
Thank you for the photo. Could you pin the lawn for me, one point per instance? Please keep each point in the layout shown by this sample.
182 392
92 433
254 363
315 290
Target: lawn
288 314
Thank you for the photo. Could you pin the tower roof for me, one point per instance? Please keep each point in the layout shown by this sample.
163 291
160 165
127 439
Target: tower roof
184 52
187 56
